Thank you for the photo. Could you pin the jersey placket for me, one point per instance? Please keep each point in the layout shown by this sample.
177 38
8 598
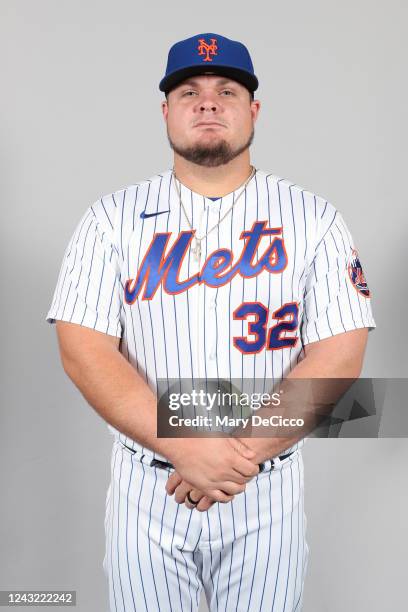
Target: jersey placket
206 297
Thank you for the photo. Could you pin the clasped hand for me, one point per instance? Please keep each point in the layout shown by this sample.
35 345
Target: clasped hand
213 470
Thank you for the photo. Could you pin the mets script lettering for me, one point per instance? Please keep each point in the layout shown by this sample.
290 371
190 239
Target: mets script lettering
218 269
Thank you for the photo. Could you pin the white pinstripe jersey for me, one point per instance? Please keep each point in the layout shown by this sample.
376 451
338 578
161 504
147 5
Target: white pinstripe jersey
179 318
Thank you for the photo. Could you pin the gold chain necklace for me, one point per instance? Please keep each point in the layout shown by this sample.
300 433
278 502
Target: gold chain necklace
196 250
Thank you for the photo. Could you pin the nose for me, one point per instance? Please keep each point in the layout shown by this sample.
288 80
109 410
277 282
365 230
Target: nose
208 106
208 102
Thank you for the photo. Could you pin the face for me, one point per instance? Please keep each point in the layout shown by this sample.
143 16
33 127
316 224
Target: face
210 119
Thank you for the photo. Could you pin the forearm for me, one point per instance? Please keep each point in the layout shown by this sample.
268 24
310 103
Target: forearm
326 379
117 392
272 443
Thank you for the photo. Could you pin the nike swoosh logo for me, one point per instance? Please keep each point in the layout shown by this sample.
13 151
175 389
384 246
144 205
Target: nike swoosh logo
145 215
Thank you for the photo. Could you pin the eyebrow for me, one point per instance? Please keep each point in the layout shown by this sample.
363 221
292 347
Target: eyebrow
194 83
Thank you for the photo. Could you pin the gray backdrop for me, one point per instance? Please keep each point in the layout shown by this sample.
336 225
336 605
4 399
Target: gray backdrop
80 118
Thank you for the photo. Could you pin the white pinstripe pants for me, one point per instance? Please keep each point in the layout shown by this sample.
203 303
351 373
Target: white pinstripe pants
249 554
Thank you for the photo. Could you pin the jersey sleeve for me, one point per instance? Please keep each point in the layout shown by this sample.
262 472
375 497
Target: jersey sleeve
336 298
88 286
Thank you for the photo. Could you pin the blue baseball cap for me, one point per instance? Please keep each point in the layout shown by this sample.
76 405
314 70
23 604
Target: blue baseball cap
208 54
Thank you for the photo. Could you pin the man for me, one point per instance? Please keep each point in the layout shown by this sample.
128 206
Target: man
211 270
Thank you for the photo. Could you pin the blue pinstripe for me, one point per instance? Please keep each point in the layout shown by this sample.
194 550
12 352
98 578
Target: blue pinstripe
256 286
138 303
298 537
127 544
215 300
220 553
104 209
162 552
113 516
175 316
148 534
211 554
257 545
232 553
270 538
185 563
243 296
245 542
290 544
137 539
187 295
117 538
175 562
229 297
280 546
204 301
294 254
90 267
281 277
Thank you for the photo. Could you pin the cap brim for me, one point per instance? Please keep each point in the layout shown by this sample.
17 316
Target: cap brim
241 76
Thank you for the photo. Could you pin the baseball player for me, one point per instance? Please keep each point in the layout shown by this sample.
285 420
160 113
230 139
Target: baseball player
213 269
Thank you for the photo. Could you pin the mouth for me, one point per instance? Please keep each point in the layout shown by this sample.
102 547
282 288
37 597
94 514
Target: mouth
209 124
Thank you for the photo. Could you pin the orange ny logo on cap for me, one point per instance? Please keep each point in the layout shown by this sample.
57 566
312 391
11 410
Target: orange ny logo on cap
207 49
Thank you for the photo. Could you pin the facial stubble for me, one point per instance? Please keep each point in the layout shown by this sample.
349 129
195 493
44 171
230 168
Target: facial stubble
210 155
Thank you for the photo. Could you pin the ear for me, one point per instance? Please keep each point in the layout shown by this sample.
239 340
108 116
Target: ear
255 108
165 109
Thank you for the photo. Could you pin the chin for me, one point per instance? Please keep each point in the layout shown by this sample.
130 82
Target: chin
210 139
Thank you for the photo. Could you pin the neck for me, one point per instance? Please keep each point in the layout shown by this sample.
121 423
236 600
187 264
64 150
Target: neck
213 182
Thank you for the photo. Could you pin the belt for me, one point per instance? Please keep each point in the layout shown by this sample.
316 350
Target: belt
272 463
166 465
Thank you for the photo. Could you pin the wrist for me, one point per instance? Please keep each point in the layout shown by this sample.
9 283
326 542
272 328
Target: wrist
175 449
264 448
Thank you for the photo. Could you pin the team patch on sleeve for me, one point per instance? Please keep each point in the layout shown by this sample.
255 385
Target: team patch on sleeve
356 274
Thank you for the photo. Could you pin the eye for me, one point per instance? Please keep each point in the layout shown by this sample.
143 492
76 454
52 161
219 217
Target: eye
228 92
189 92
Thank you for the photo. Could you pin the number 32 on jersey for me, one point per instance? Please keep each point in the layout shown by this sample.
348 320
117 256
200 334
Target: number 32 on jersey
270 338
